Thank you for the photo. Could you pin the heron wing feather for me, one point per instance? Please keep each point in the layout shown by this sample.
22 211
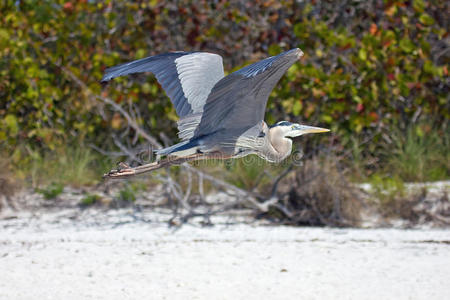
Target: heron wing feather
239 99
187 77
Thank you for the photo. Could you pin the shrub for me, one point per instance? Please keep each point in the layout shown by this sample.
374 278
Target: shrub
368 64
319 194
51 191
90 199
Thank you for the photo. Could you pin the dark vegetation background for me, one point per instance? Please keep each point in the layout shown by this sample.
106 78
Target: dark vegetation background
374 72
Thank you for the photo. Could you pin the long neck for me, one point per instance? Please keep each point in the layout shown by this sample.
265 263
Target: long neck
280 147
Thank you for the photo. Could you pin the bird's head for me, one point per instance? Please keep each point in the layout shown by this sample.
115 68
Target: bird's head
292 130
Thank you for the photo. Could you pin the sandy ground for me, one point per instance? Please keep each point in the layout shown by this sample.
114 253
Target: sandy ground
118 254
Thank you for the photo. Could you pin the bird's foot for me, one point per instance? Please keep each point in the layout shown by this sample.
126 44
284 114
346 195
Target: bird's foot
123 170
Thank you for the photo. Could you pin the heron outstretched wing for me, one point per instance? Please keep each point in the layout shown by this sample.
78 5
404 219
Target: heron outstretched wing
239 99
187 77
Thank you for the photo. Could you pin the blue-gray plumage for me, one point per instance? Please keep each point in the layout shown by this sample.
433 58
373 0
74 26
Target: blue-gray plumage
220 116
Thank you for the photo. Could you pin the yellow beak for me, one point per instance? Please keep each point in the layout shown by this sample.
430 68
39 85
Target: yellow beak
299 130
311 129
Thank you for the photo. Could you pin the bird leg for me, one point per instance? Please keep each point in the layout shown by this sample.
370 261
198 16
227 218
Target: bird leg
124 170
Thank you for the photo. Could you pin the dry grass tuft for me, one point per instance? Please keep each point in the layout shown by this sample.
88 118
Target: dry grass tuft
8 184
320 194
414 204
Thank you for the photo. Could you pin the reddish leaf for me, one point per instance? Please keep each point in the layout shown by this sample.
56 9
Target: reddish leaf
373 29
68 7
359 107
373 116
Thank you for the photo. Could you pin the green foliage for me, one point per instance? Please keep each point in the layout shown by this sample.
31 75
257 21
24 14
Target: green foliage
68 165
367 65
90 199
416 155
127 194
389 195
248 172
393 199
370 70
387 189
51 191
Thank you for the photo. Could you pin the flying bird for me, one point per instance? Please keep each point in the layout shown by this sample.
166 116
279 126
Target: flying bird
221 116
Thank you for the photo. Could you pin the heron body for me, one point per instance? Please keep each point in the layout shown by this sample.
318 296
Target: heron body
220 116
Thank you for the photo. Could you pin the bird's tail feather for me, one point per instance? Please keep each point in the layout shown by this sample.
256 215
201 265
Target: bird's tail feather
181 149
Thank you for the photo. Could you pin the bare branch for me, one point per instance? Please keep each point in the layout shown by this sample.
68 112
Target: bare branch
188 190
277 181
109 153
124 149
116 106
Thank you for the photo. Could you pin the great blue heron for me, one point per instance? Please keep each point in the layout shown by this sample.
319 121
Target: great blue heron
220 116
